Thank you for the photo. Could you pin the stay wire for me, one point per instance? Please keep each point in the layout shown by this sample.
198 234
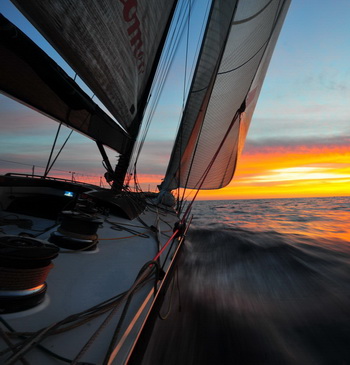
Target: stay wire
52 149
202 32
161 76
59 152
179 205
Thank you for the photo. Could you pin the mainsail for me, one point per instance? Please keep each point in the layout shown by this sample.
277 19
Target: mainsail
113 45
30 76
236 50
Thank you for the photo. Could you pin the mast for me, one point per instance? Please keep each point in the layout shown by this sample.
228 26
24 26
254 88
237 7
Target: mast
124 159
114 46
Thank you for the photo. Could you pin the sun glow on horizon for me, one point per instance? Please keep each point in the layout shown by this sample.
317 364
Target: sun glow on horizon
281 172
270 173
300 171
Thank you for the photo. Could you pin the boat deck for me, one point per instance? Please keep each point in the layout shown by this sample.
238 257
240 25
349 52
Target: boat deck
83 279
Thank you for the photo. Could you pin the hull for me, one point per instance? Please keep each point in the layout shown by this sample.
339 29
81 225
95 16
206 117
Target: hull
96 298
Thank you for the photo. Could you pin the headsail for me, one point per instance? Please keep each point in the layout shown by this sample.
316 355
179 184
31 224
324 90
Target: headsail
236 50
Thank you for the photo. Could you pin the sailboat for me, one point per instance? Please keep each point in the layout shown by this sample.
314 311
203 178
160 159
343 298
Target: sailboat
83 269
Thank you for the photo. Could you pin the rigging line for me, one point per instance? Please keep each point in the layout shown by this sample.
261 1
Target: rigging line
184 96
207 170
116 333
179 203
199 41
10 345
162 65
186 52
40 347
41 167
79 318
52 149
19 163
201 34
59 152
197 49
161 76
163 71
65 142
48 168
174 41
138 283
206 99
28 344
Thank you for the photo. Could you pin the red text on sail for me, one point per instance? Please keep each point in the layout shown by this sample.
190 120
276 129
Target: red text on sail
134 32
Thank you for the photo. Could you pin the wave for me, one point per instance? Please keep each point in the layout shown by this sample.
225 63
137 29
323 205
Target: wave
256 298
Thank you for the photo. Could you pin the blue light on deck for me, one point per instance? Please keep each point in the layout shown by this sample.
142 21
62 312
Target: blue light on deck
69 193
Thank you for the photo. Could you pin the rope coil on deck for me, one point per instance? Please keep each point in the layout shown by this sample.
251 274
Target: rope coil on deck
21 279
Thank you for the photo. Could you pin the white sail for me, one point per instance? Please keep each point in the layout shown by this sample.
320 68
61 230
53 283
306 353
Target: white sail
224 92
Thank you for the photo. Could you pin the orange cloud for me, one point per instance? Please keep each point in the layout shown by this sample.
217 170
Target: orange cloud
294 171
262 172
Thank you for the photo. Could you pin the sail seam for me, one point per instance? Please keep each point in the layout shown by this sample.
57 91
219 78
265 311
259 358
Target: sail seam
245 20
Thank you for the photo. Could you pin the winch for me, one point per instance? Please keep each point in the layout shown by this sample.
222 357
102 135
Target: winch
77 231
25 263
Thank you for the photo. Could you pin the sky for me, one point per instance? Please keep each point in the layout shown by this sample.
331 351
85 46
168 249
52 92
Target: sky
298 144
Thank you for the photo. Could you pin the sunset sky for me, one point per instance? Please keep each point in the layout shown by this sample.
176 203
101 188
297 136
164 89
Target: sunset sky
298 144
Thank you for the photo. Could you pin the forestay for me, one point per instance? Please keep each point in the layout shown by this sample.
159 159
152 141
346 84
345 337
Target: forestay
236 50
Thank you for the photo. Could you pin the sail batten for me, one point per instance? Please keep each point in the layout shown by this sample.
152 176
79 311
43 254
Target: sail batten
214 125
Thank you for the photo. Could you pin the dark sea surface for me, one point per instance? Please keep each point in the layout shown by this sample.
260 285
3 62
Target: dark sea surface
260 282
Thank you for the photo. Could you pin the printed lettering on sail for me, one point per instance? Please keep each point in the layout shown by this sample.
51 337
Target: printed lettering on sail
134 32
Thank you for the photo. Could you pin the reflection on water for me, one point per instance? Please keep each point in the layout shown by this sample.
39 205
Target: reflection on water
265 294
315 217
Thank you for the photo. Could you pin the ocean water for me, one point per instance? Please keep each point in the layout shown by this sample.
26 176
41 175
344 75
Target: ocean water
260 282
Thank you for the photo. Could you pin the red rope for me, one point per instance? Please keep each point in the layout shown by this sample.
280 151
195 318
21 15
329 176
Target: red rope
166 244
205 174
